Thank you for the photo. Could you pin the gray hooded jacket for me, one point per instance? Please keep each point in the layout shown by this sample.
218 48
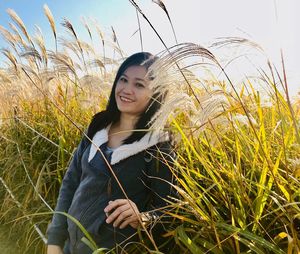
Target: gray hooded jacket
88 185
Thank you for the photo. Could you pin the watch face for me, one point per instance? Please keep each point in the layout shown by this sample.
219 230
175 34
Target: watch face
146 218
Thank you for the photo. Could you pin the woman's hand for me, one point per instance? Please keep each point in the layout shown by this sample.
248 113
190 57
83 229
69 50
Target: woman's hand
54 249
122 213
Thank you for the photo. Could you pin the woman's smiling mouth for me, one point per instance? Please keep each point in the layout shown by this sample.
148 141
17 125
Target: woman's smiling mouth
125 99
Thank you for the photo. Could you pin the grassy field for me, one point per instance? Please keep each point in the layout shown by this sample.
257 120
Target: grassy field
238 144
8 242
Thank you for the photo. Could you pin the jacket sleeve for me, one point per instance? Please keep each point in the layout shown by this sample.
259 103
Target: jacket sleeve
161 178
57 231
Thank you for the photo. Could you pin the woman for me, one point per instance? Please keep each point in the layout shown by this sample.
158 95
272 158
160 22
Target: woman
90 193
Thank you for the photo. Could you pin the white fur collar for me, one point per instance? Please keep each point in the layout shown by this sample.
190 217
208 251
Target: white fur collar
126 150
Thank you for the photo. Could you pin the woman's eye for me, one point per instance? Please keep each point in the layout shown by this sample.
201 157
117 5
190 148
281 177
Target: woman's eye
123 79
140 85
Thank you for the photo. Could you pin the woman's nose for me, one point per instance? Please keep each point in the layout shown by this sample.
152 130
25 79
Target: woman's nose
128 89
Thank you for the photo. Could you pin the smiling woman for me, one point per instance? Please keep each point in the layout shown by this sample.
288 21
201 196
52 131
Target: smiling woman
132 92
113 183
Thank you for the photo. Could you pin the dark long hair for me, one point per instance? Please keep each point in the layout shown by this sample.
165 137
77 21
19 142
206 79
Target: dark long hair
112 114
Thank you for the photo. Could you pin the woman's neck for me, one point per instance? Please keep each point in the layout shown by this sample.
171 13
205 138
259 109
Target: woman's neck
121 130
127 122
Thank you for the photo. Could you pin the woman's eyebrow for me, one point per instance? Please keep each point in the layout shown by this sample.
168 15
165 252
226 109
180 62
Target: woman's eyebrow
140 79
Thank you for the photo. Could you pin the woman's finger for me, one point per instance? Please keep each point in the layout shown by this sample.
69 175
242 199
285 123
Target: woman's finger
114 204
122 217
132 221
123 213
115 214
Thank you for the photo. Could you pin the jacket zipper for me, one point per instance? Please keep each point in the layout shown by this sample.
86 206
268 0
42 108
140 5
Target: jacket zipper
84 214
109 188
81 220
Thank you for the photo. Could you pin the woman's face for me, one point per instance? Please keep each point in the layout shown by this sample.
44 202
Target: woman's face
132 91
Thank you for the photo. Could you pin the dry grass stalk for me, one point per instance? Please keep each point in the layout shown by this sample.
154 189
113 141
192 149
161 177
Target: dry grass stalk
162 6
50 18
19 23
39 40
175 84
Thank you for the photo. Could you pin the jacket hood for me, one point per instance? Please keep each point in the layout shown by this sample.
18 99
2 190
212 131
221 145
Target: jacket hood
126 150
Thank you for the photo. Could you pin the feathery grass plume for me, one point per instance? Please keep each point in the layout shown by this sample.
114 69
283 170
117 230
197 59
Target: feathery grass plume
95 88
213 105
237 42
7 53
67 24
99 31
8 37
84 22
115 40
32 56
114 36
136 6
50 18
184 51
97 62
245 49
110 61
31 52
117 49
88 48
286 90
18 21
70 45
91 83
5 87
74 48
250 51
19 40
162 5
17 34
101 35
139 30
244 108
48 80
63 62
175 83
32 74
4 78
39 40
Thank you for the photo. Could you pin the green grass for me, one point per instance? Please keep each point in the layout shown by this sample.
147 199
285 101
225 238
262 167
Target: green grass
8 243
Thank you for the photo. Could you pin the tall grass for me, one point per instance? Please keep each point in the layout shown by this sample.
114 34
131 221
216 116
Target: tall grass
241 187
238 150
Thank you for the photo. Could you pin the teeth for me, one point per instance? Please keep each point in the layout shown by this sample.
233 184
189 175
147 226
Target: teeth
125 99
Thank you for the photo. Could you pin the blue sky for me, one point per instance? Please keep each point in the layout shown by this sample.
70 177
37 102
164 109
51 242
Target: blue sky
271 23
31 12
